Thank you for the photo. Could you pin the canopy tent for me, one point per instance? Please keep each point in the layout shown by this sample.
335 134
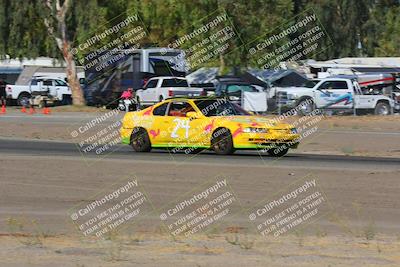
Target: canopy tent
264 78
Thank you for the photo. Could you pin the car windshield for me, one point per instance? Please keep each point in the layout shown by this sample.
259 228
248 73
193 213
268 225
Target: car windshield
61 83
310 83
219 107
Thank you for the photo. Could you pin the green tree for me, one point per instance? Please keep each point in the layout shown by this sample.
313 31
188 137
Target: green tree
381 36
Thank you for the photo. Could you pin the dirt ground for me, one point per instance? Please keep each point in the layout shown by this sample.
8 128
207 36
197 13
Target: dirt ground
218 250
360 227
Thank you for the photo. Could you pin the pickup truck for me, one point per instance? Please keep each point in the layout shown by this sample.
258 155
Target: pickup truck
334 94
159 88
56 88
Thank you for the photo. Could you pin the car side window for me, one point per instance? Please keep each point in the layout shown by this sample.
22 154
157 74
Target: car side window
179 109
330 85
160 110
151 84
60 83
340 85
48 83
34 82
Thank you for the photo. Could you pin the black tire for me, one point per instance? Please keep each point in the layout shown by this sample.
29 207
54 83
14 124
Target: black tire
221 142
23 99
140 140
305 107
279 151
382 109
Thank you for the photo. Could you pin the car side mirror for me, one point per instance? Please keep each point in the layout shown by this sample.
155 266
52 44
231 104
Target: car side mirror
193 115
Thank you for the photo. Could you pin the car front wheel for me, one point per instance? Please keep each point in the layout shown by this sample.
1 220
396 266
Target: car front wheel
140 140
305 107
222 142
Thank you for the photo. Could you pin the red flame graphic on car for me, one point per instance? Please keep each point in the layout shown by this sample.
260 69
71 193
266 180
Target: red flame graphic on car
154 133
148 112
209 127
238 130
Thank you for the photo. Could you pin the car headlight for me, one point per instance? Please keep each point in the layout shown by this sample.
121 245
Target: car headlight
255 130
292 96
293 131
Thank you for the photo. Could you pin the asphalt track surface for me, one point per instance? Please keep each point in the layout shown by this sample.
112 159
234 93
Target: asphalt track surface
45 179
53 148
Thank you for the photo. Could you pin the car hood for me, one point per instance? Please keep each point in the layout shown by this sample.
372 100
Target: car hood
293 89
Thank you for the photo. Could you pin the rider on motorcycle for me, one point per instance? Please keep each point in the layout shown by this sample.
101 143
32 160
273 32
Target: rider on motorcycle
127 101
127 94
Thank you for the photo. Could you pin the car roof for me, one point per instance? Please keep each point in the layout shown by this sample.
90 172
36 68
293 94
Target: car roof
194 98
335 79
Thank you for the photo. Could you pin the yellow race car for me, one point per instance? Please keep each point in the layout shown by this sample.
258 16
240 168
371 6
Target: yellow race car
193 124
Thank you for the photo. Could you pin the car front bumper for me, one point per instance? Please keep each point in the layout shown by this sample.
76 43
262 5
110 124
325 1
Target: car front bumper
266 141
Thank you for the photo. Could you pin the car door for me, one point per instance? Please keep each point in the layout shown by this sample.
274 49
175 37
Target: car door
149 91
184 131
334 94
49 87
361 100
156 124
35 85
152 91
61 88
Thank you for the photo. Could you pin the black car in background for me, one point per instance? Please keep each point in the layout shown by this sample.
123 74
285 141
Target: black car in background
232 88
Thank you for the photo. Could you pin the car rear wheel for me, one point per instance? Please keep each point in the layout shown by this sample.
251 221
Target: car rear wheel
279 151
222 142
23 99
140 140
382 109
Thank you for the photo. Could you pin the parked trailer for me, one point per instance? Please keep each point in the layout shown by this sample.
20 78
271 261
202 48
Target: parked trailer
106 80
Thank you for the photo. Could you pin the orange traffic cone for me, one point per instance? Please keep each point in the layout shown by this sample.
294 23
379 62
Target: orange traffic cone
23 110
46 111
31 110
3 109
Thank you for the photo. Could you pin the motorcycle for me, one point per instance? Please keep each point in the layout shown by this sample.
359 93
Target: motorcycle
128 104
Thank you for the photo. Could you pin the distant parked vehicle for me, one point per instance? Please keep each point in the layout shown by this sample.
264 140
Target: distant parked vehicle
158 89
249 96
57 89
340 94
